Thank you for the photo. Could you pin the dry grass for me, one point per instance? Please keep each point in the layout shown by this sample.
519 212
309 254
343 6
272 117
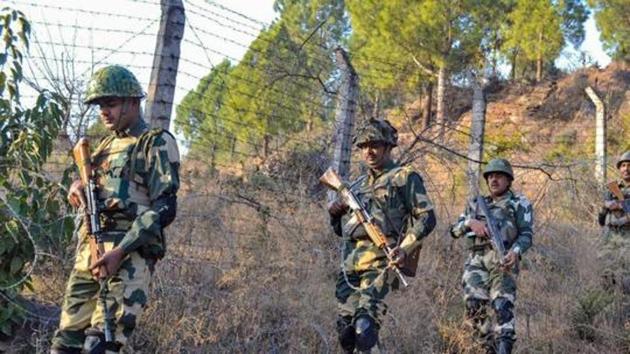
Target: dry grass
243 277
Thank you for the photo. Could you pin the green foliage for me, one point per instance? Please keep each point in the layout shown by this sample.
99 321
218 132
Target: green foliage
402 44
589 305
535 30
574 13
613 22
198 115
278 88
500 144
566 147
30 204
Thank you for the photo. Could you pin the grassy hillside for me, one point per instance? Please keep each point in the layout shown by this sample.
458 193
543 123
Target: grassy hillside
251 260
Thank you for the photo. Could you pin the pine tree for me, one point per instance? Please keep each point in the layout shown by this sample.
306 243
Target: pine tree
614 24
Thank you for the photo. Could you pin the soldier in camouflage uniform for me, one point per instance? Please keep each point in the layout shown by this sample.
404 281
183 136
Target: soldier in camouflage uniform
485 281
615 252
396 197
137 180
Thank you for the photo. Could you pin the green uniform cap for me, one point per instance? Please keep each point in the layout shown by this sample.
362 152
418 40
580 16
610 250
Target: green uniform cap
376 130
112 81
498 165
625 157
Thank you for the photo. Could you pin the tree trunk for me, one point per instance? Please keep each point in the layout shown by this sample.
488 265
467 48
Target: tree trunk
426 104
440 115
513 70
266 141
376 110
539 59
233 147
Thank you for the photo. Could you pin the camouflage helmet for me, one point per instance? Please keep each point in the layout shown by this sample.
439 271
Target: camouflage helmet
112 81
498 165
625 157
376 130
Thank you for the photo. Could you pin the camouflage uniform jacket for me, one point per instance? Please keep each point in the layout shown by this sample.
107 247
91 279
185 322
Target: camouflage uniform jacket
398 201
137 178
616 220
514 215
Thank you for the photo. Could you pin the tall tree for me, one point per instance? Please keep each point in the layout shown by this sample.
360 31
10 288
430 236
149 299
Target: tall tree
539 29
267 90
409 36
198 114
613 22
535 32
279 87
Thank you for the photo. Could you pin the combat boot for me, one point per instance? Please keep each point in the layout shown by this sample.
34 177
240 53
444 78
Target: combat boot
505 347
346 331
64 350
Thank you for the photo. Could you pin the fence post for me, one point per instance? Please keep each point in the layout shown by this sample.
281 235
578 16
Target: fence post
344 117
477 127
600 135
161 90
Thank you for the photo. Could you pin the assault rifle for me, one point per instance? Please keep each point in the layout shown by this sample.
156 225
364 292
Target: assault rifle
495 233
616 191
331 179
81 154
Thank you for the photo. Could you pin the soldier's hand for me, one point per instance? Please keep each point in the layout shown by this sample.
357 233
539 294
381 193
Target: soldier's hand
511 258
110 260
398 256
337 208
75 194
478 227
613 205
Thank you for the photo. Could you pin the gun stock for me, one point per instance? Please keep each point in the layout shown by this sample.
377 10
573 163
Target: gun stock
81 152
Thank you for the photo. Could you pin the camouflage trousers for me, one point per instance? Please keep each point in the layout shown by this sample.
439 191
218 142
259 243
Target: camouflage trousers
614 257
82 309
363 292
485 285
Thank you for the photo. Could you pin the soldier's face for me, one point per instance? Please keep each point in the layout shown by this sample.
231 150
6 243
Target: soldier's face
375 154
624 170
498 183
117 113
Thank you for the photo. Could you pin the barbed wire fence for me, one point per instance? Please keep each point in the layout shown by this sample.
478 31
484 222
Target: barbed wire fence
63 62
